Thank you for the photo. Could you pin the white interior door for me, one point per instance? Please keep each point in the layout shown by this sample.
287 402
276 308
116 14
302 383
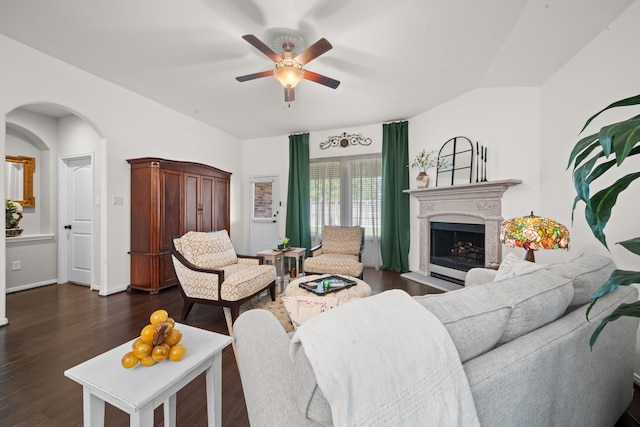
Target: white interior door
264 213
79 223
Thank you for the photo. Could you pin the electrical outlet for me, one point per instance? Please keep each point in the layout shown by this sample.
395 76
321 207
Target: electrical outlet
118 200
15 265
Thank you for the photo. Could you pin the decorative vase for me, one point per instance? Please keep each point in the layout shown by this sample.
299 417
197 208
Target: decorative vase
281 246
13 232
422 180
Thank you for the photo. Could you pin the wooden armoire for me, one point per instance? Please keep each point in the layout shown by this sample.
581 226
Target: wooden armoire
169 198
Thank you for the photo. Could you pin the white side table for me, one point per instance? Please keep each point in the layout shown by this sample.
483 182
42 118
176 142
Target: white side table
138 391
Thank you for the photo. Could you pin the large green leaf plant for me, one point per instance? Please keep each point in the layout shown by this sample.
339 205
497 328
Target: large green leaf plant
591 157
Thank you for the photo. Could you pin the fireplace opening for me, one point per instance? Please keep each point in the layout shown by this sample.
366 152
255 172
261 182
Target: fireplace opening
455 249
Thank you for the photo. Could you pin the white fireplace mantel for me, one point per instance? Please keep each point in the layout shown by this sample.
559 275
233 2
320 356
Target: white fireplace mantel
476 203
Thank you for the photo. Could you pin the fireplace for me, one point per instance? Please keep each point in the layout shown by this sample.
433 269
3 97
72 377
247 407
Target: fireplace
476 211
455 249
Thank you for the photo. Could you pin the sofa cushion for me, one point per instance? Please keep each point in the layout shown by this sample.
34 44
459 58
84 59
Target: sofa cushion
480 317
536 299
588 272
511 266
474 318
208 250
341 240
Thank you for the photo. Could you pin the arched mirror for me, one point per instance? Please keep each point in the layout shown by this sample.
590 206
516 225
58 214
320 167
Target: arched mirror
458 154
18 180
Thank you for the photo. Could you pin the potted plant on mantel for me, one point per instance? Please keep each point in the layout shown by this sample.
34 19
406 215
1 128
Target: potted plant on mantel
423 162
590 158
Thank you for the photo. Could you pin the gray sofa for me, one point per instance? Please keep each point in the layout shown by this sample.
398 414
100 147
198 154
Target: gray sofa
523 342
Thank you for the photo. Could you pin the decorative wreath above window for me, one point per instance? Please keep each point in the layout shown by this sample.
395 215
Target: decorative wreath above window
345 140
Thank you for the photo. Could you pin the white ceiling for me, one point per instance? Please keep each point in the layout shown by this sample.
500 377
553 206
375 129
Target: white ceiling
394 59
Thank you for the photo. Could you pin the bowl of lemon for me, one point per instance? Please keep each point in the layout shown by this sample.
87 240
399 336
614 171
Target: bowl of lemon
158 341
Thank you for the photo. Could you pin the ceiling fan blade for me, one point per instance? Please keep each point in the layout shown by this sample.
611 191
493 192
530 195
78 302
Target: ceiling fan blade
289 94
319 78
258 44
313 51
255 76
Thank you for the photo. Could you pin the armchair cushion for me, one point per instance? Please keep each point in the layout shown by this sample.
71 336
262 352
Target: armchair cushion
341 240
339 253
208 250
242 280
334 264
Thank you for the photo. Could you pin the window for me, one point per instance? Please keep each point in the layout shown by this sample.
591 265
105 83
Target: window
345 191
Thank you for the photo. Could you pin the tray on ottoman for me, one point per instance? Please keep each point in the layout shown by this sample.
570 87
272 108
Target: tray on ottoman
337 284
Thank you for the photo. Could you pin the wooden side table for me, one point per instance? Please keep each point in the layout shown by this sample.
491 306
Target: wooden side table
138 391
298 254
276 258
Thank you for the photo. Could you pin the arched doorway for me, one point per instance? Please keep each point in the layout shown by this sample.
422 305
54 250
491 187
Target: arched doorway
55 133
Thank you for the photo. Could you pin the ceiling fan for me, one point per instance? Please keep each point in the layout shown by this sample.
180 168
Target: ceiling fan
289 71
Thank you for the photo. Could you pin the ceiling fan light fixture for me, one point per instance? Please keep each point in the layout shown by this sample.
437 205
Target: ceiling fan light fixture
289 75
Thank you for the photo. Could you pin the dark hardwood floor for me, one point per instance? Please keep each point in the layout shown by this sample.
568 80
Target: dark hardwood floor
55 327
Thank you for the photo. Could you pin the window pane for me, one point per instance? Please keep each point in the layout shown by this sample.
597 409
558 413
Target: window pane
359 181
262 200
324 195
366 194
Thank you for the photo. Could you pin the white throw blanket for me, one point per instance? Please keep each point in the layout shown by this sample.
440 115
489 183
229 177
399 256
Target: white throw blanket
387 361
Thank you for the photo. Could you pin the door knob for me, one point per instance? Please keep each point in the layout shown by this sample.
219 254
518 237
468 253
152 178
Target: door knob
67 227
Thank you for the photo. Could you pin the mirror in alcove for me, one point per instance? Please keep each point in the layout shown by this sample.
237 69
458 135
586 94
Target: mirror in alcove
18 182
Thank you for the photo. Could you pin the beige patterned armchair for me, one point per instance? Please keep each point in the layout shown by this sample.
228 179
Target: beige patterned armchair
339 252
210 272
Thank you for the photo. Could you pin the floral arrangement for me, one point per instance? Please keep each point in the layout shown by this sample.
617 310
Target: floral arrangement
424 161
283 241
13 213
534 232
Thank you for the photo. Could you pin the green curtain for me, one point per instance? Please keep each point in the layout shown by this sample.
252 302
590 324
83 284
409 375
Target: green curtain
298 227
394 233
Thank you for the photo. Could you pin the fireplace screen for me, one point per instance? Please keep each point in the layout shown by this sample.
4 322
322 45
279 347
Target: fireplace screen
457 246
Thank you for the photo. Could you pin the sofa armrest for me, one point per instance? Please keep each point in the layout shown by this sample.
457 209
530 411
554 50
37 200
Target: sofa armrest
266 370
478 276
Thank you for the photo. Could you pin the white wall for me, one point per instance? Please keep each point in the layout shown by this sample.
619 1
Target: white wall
605 71
37 257
133 126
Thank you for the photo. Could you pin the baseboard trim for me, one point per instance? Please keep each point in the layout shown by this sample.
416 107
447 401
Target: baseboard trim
112 291
31 286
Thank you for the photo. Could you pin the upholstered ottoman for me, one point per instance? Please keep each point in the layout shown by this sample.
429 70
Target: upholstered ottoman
302 304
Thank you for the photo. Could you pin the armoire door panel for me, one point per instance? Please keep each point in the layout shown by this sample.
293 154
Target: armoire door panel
170 207
191 202
221 205
207 213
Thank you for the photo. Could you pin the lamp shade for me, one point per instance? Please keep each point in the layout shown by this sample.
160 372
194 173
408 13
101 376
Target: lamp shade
288 76
533 233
